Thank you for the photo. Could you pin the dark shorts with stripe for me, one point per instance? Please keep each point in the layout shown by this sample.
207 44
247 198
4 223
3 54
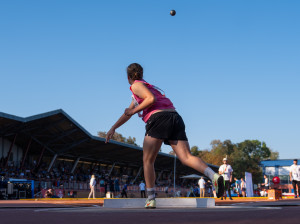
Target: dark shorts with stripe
167 126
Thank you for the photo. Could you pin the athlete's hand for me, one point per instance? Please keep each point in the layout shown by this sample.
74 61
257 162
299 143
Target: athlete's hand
109 134
129 112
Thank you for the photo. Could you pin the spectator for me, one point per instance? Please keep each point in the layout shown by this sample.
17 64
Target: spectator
166 190
226 170
71 194
191 193
111 185
48 194
237 186
102 188
295 176
39 188
117 186
196 191
202 183
243 187
92 186
124 189
208 187
105 185
142 189
265 184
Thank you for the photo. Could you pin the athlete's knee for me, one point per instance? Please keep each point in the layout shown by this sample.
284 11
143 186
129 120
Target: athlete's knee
185 160
148 160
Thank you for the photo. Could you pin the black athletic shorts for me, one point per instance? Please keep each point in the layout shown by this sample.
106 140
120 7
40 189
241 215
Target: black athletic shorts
166 125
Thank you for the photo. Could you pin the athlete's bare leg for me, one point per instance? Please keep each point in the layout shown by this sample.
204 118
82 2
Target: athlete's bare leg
182 150
151 148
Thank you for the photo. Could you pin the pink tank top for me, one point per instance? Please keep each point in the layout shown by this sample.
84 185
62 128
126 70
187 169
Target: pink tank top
162 102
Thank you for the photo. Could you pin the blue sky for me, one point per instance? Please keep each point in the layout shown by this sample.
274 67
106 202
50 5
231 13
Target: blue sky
231 68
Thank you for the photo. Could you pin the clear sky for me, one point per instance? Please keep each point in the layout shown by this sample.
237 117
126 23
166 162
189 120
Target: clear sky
231 68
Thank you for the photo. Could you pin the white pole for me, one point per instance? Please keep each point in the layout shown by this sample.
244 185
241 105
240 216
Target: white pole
174 175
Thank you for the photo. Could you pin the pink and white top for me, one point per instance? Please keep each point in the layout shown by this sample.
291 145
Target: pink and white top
161 101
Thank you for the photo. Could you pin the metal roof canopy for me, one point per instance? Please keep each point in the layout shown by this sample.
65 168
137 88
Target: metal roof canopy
62 135
277 162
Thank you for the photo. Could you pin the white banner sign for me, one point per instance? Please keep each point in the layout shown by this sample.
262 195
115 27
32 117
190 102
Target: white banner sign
249 184
285 170
270 171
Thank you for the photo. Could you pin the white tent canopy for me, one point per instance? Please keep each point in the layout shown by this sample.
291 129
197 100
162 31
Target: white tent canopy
192 176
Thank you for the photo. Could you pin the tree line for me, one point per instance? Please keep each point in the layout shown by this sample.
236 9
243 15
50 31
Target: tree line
119 138
243 157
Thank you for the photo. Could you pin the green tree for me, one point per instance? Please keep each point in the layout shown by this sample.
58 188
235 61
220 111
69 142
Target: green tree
195 151
247 157
131 141
274 155
218 151
243 157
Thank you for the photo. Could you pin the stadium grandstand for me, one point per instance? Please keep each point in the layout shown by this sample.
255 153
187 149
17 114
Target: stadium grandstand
54 151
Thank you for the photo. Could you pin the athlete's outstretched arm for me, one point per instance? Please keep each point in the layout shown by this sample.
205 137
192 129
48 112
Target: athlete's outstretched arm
122 120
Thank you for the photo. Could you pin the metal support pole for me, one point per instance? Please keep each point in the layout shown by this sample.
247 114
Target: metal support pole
159 175
111 169
93 167
25 154
42 144
75 164
138 174
174 175
10 149
41 156
52 162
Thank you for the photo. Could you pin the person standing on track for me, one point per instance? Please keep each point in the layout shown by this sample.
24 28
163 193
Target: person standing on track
163 124
237 186
102 188
124 189
243 187
201 184
295 176
92 186
265 184
117 185
166 191
142 189
226 170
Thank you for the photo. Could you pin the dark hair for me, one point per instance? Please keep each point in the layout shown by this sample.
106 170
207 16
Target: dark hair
296 160
135 71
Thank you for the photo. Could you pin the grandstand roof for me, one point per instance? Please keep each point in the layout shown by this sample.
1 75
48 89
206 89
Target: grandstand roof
277 162
59 134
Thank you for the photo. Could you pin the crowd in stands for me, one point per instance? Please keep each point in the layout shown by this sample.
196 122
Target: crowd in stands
108 180
60 173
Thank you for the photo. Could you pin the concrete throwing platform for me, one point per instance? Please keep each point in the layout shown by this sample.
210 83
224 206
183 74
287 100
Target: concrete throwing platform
161 203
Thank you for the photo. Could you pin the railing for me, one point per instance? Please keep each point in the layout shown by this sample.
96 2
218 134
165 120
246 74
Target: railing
73 185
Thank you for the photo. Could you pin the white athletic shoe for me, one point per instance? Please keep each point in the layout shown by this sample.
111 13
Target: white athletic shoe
218 183
150 203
